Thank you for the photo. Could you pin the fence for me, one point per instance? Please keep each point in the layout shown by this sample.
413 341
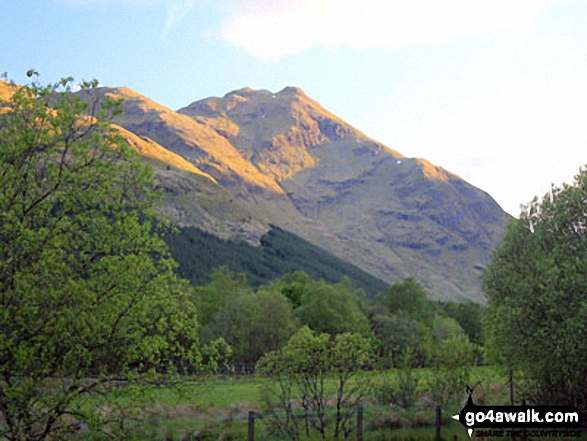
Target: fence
220 408
359 422
368 423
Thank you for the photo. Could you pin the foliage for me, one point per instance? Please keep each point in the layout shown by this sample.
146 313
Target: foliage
216 355
224 288
402 321
402 389
280 253
300 370
469 316
333 309
295 287
445 328
349 354
451 356
406 388
253 324
535 286
452 361
398 335
409 297
87 288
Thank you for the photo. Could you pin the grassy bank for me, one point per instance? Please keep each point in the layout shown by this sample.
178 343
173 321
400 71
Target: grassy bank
218 408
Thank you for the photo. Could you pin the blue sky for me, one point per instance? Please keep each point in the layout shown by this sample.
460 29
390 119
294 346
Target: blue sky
492 90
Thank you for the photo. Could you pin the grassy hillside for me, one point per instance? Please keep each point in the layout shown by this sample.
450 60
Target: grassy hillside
392 216
252 158
199 253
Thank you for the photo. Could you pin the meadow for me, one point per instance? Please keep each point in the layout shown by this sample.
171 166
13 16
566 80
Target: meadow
218 408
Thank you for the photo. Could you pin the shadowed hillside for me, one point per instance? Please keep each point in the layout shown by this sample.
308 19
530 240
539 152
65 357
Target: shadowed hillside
199 254
234 165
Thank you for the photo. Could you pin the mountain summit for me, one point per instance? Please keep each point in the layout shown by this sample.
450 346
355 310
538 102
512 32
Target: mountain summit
235 165
278 133
283 159
393 216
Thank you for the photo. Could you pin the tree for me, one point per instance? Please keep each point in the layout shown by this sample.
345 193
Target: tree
535 286
299 393
333 309
470 316
398 335
409 297
349 354
253 324
295 286
87 289
452 359
220 292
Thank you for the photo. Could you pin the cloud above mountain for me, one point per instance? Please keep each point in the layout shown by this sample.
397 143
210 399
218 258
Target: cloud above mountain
272 29
175 10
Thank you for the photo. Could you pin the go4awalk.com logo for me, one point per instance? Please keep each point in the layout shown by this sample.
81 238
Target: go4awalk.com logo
543 421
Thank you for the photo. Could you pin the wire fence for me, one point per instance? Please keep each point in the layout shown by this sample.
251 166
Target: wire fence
358 423
235 407
429 423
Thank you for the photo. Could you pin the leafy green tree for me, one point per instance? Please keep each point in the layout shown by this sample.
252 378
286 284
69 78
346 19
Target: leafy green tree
87 289
215 355
452 359
402 320
221 291
535 286
300 371
295 286
445 328
349 354
275 322
398 335
253 324
333 309
409 297
470 316
445 348
405 390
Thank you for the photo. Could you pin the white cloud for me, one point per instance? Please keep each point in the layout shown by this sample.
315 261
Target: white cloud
271 29
176 10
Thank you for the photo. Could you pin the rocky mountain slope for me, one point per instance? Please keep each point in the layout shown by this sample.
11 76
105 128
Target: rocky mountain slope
234 165
390 215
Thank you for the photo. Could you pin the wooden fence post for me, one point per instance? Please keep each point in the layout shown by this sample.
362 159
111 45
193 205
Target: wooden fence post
511 381
360 424
438 420
251 426
523 428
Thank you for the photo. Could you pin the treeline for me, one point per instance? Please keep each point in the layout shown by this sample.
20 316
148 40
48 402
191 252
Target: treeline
199 254
401 324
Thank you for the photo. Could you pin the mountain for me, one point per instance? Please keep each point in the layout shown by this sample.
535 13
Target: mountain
235 165
205 178
392 216
281 158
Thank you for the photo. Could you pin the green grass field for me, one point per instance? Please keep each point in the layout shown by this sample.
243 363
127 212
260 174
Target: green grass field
218 408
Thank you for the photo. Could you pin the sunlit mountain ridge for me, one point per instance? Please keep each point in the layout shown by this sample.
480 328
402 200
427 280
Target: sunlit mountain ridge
234 165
